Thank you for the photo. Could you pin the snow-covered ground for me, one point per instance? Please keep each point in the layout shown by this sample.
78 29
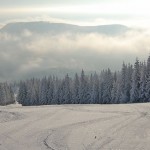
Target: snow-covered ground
75 127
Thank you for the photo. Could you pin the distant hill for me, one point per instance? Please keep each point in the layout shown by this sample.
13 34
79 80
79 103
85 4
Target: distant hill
44 27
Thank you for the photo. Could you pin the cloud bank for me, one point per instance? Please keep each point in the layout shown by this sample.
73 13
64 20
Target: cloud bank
32 54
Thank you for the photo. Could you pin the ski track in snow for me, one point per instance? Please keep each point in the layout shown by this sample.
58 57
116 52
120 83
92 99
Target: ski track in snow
75 127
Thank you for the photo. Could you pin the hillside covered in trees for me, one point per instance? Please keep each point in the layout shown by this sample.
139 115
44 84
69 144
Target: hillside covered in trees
130 85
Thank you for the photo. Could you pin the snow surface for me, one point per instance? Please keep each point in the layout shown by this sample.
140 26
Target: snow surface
75 127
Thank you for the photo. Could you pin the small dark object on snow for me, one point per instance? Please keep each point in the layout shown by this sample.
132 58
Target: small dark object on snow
95 137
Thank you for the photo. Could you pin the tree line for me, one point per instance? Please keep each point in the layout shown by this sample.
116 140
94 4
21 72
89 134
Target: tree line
6 94
129 85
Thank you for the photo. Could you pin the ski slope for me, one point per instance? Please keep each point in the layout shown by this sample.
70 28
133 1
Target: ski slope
75 127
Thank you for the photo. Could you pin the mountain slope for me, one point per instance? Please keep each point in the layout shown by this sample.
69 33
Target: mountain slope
44 27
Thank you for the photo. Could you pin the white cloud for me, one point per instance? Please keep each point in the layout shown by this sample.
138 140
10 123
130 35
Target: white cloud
130 42
30 52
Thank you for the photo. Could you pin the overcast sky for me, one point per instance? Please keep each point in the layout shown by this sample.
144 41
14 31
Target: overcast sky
84 12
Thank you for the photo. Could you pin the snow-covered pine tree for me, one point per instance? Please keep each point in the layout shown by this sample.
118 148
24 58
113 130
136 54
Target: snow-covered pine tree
148 80
67 96
134 93
57 90
126 78
118 84
28 96
84 94
123 86
75 90
22 94
128 81
142 91
114 89
50 90
107 87
2 100
101 86
94 89
43 92
34 92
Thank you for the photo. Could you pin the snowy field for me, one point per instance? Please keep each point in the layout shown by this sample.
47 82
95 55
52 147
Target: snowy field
75 127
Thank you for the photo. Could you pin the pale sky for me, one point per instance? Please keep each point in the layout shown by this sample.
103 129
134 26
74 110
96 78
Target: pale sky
83 12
